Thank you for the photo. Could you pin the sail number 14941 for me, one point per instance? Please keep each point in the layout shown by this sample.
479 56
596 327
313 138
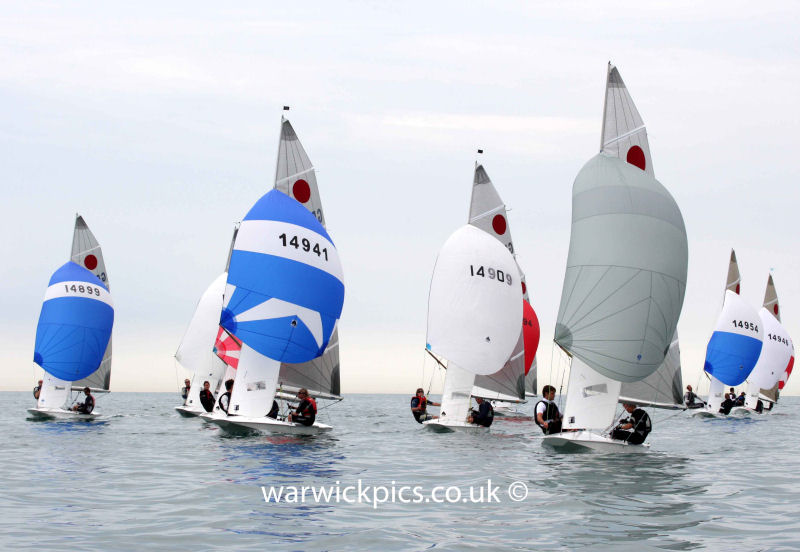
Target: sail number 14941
305 244
491 273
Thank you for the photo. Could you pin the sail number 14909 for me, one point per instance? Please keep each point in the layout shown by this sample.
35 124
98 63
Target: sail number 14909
491 273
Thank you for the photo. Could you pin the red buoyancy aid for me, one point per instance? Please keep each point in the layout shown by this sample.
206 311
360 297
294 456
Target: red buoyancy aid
313 405
423 402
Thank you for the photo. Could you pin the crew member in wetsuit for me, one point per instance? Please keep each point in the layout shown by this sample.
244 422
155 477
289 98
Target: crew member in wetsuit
635 428
760 406
187 385
727 404
547 416
419 406
273 412
740 399
690 399
37 390
225 398
484 416
306 411
207 397
87 405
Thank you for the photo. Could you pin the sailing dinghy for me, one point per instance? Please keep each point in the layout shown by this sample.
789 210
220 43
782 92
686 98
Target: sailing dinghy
624 284
65 326
735 345
777 355
285 322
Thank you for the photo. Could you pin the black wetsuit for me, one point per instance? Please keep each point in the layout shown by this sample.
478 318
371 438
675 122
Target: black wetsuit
306 412
273 412
725 407
36 391
484 416
551 415
87 405
225 401
691 400
185 392
207 399
641 428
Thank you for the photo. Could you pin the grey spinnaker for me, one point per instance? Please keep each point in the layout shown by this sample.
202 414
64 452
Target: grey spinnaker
295 176
626 271
86 252
661 389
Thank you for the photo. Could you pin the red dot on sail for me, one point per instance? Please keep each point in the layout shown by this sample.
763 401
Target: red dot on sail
775 308
636 157
530 334
524 288
499 224
90 262
737 289
301 191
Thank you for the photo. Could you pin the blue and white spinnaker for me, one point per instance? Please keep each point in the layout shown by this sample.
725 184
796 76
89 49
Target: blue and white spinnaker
285 287
74 325
736 343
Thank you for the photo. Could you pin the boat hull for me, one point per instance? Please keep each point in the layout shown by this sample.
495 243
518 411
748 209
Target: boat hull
243 425
59 414
449 426
741 412
188 412
586 441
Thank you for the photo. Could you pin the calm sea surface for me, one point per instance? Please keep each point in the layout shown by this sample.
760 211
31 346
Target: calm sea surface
144 478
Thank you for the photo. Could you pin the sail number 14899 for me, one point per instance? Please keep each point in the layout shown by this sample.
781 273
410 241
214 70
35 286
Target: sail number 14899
490 273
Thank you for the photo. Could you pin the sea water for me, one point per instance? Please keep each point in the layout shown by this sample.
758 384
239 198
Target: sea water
144 478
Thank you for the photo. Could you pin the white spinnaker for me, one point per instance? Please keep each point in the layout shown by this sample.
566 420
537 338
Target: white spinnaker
776 351
474 310
488 212
86 252
196 350
591 398
295 176
254 385
624 134
456 393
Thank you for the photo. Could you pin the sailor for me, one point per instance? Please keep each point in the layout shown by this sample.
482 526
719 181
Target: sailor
635 428
207 397
225 399
37 390
484 416
547 416
727 404
187 385
306 411
419 406
690 399
273 412
87 405
740 399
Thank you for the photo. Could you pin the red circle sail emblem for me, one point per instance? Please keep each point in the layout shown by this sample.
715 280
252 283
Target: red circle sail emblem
90 262
301 191
636 157
530 334
499 224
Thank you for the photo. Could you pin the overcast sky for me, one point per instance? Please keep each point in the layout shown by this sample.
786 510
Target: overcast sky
158 122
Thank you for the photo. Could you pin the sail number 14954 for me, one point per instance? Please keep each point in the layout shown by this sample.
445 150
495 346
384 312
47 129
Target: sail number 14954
491 273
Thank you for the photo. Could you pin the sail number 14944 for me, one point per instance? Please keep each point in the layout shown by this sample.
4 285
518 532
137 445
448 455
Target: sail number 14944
491 273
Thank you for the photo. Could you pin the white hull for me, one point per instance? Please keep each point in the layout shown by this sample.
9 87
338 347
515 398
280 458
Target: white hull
44 413
585 441
508 412
239 424
449 426
706 413
741 412
188 411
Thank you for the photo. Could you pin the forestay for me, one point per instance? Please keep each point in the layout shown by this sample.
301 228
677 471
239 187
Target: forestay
626 271
475 302
86 252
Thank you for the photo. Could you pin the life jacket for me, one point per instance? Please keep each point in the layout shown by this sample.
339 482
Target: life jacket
550 412
313 404
88 404
423 401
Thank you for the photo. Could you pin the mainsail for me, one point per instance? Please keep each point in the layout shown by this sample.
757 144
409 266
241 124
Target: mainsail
474 273
488 212
86 252
295 177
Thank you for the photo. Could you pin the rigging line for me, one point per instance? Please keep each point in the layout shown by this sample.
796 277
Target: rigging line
623 136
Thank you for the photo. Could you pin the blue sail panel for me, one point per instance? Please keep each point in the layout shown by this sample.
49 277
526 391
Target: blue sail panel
285 285
74 324
730 357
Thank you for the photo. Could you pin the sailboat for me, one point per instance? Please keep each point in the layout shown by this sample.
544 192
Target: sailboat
196 350
624 283
506 387
777 355
56 394
283 298
474 313
735 345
